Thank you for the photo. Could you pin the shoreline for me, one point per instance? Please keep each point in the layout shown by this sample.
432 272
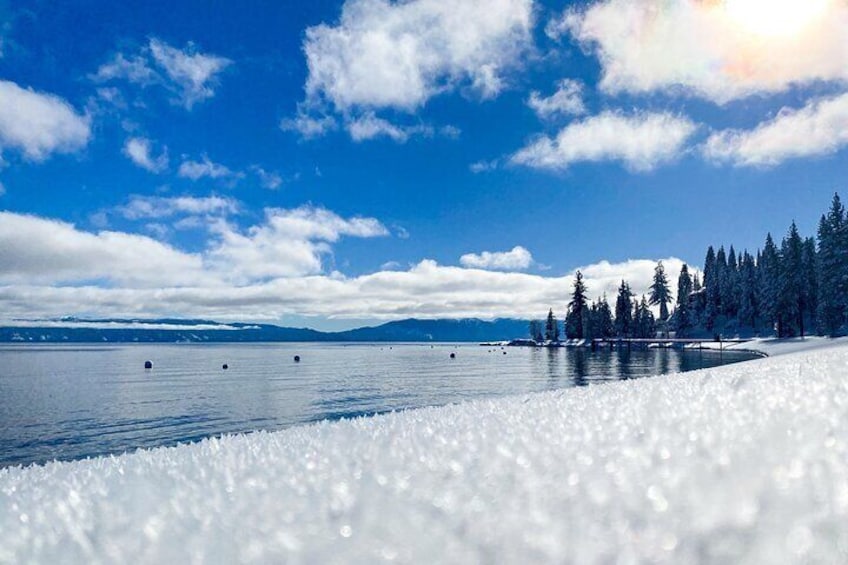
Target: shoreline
745 462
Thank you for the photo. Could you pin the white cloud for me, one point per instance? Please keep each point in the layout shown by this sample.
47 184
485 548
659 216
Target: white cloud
426 290
190 75
268 179
138 149
196 170
36 249
308 126
567 100
289 243
517 259
483 166
400 54
194 73
641 141
160 207
720 50
134 69
819 128
39 124
370 126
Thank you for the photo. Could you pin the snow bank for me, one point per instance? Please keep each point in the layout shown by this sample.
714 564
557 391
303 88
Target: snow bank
746 463
773 346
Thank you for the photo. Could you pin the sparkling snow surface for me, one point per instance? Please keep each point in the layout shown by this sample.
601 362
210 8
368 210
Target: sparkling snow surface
746 463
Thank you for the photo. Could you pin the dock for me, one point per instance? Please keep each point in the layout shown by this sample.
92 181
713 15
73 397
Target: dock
662 342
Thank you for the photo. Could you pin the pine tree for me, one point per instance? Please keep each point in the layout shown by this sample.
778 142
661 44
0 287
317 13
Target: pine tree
769 284
809 263
696 282
711 289
790 301
748 309
575 321
660 292
720 280
606 326
730 286
644 325
624 311
551 328
831 270
682 314
536 330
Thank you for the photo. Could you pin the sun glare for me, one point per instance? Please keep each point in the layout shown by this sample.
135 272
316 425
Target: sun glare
776 17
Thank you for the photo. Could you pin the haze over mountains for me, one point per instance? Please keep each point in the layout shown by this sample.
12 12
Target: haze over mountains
174 330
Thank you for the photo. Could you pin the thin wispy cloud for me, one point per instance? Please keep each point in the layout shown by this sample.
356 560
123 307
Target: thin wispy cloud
206 168
190 75
566 101
140 151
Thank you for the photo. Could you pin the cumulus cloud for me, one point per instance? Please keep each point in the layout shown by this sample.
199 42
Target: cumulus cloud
426 290
717 50
38 249
190 75
196 170
641 141
567 100
288 243
139 151
517 259
39 124
398 55
819 128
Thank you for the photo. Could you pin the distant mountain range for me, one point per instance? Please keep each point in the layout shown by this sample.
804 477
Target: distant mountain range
73 330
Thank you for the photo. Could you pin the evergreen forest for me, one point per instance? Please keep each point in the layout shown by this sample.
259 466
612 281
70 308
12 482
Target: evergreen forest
793 288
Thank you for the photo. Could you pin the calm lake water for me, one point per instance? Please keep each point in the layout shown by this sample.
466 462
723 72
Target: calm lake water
71 402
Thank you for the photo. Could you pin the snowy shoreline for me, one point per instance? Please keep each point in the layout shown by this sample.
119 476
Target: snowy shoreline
743 463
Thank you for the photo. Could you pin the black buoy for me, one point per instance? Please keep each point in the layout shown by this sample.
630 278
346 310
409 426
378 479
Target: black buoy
225 366
297 358
148 364
453 355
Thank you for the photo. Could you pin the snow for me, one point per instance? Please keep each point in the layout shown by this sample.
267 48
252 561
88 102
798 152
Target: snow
773 347
746 463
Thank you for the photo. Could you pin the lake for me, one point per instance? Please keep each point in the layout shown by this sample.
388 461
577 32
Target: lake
71 402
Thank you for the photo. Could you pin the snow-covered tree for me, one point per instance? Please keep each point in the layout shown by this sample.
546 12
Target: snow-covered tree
551 327
576 319
831 269
660 292
624 311
682 313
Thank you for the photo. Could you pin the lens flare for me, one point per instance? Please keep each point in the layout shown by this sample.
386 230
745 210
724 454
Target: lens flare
776 17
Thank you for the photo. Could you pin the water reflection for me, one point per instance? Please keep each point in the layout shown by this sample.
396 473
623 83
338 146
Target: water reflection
69 403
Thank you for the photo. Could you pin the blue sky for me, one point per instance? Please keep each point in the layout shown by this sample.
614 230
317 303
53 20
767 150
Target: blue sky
336 163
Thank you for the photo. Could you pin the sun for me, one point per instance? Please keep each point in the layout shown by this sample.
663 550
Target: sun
776 17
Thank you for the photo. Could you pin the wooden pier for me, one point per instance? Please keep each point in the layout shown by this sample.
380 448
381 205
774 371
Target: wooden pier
662 342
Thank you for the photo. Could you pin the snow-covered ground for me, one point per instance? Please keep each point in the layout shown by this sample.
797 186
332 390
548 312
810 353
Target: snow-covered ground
774 347
746 463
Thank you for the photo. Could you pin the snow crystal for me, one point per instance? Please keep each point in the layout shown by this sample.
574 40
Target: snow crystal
746 463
